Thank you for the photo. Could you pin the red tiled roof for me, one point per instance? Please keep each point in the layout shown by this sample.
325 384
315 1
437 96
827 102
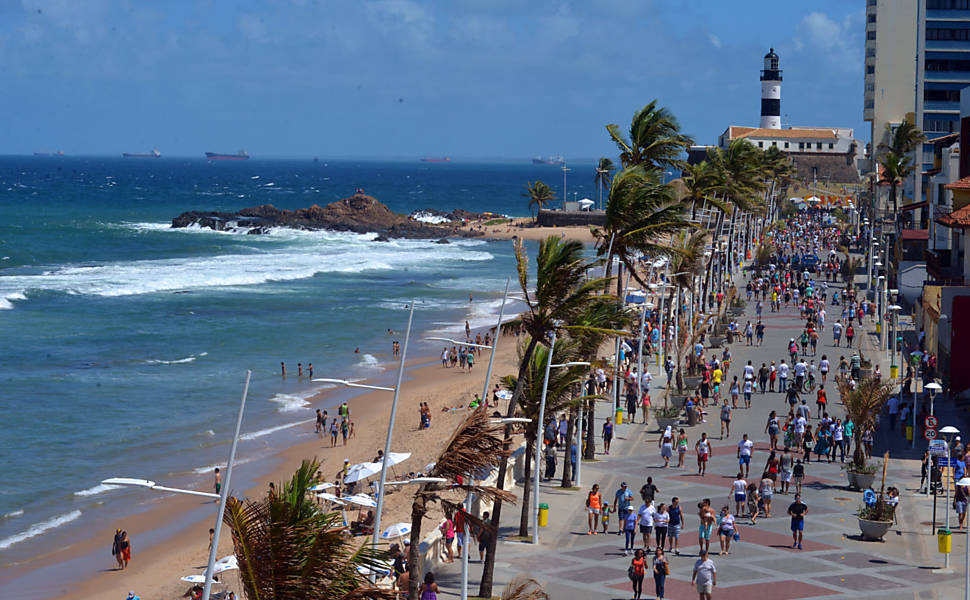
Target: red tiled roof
961 184
916 234
788 134
958 219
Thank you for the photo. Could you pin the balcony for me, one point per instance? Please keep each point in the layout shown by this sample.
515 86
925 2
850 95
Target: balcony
958 76
941 106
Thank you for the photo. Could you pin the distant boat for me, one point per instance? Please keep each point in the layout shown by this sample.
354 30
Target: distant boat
153 154
241 155
58 153
435 159
555 159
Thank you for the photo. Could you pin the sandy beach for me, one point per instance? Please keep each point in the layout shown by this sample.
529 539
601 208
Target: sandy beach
155 569
525 229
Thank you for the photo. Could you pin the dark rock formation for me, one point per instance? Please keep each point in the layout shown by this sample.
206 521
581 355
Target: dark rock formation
359 213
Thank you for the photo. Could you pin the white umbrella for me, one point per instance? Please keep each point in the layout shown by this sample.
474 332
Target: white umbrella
361 500
195 579
322 486
397 530
225 564
503 394
330 498
382 569
362 471
394 458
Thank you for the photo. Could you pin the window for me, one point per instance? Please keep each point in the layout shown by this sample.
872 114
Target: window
831 146
871 35
786 148
871 19
761 144
870 69
947 34
939 64
818 145
870 52
947 4
941 95
775 144
870 87
801 145
937 124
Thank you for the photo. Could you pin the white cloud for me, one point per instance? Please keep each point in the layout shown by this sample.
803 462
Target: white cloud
715 41
835 42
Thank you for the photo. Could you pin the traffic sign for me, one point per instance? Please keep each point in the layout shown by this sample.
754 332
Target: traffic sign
942 462
930 422
929 434
937 447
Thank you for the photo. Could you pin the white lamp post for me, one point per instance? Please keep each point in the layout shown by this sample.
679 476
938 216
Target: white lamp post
933 388
949 431
390 423
919 357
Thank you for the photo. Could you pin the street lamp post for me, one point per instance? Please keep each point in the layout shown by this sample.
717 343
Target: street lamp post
964 482
933 388
919 356
949 431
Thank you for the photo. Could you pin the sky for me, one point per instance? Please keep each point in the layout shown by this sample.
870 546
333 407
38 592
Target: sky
407 78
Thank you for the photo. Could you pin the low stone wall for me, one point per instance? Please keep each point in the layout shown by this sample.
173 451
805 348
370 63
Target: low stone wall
563 218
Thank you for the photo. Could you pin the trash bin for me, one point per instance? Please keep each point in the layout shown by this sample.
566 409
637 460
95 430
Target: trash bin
943 540
544 515
878 326
692 417
909 433
619 415
893 372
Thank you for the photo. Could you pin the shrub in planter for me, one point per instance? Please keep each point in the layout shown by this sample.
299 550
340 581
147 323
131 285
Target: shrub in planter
862 406
669 415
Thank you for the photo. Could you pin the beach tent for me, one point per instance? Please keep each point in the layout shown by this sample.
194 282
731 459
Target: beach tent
813 199
586 204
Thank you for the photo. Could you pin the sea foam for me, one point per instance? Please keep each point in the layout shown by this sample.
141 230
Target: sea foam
39 528
98 489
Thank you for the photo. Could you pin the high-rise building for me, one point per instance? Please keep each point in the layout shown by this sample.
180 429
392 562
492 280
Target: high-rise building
917 61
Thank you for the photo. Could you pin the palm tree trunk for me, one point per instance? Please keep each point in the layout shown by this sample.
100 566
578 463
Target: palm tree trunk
530 449
418 510
567 465
590 409
485 586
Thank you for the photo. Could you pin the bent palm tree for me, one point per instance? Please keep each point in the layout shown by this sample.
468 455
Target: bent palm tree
654 139
475 448
904 139
604 173
539 195
287 548
862 406
895 169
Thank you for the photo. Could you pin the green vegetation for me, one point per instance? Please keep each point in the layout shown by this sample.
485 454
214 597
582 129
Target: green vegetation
497 222
539 195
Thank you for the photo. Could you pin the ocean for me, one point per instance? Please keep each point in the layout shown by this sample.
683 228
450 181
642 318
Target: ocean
124 343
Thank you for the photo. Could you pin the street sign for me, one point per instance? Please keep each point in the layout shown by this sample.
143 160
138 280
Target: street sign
929 434
942 462
937 447
930 422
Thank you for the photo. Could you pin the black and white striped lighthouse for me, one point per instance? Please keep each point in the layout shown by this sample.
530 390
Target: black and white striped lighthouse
771 92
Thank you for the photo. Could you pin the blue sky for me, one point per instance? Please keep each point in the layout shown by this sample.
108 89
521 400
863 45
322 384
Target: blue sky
385 78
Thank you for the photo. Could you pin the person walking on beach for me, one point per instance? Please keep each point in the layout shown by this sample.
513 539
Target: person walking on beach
674 525
217 480
703 449
666 443
682 442
124 549
607 435
116 549
661 568
725 419
797 511
745 449
594 501
704 576
636 571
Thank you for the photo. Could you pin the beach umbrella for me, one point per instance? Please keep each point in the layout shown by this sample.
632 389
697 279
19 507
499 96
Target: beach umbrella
225 564
362 471
503 395
322 486
397 530
196 579
330 498
394 458
361 500
381 568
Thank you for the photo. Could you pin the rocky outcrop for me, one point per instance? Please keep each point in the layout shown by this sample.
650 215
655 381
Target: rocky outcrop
359 213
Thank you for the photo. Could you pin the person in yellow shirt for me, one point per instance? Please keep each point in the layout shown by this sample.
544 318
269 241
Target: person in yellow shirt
716 375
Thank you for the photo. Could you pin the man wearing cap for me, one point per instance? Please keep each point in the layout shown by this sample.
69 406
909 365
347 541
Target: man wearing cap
704 576
622 502
132 596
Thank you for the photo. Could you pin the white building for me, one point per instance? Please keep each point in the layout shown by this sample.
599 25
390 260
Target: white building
829 153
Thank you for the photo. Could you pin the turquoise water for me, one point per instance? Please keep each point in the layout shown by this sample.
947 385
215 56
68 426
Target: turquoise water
124 343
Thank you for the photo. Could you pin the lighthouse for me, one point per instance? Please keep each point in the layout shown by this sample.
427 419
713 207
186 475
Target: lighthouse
771 92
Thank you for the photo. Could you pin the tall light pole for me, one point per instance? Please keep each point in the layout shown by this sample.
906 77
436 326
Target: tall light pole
919 357
207 588
564 170
390 423
964 482
949 431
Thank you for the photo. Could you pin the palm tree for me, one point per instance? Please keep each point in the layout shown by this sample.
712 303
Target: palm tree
895 169
904 139
604 173
287 548
521 588
654 141
562 293
641 214
539 195
476 448
685 266
862 406
559 397
701 182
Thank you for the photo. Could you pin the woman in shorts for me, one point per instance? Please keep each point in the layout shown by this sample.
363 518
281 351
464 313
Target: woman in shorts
666 444
681 448
725 529
772 429
594 502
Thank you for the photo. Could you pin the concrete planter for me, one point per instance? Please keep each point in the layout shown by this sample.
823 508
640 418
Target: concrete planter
664 423
716 340
678 401
874 530
692 381
860 481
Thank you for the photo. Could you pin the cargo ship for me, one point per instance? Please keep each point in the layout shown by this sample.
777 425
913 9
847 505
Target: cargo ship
436 159
556 159
153 154
241 155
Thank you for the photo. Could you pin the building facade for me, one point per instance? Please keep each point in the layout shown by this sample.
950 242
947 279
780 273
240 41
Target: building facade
825 153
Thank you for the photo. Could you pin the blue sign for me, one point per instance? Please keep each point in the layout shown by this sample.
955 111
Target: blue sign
941 462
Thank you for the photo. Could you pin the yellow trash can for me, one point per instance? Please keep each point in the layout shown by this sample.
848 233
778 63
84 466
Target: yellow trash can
878 326
909 433
544 515
893 372
943 540
619 415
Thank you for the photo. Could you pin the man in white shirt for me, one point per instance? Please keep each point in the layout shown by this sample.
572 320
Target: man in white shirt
645 381
745 447
800 424
704 576
800 371
749 372
893 406
645 517
737 490
783 377
821 319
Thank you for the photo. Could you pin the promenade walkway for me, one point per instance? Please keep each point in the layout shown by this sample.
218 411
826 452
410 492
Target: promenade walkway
835 561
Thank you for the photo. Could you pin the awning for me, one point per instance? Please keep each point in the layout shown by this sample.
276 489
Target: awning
916 234
914 206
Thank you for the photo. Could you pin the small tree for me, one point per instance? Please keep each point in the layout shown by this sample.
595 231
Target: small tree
862 406
539 195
